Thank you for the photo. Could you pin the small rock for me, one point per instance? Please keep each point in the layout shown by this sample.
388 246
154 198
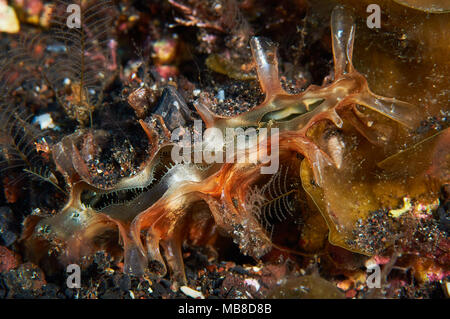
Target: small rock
8 259
233 286
24 280
44 120
252 283
8 18
50 291
158 290
141 99
240 270
351 293
173 109
8 231
221 96
165 51
191 292
125 283
165 283
271 274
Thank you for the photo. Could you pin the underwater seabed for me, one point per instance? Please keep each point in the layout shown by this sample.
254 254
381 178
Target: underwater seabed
364 164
